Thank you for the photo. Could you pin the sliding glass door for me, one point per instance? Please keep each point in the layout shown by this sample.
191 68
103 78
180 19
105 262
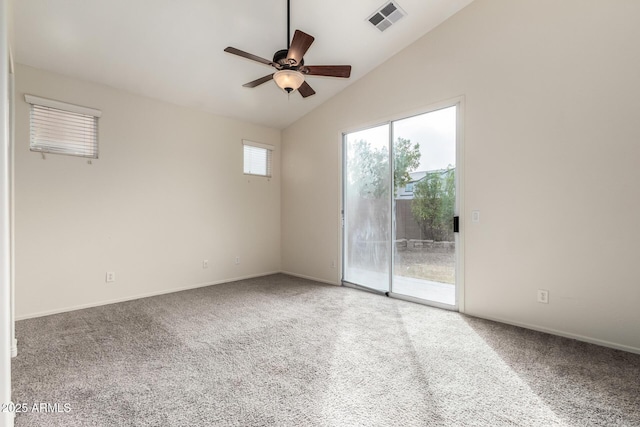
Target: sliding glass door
424 262
367 208
400 200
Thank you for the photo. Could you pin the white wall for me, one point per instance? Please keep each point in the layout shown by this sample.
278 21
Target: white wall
166 193
552 102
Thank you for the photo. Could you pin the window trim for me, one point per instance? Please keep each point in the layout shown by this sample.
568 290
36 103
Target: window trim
59 105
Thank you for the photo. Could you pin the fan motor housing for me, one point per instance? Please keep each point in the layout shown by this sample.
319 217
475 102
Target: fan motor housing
280 58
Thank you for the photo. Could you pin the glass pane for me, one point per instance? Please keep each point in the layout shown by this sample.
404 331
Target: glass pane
367 208
424 202
255 160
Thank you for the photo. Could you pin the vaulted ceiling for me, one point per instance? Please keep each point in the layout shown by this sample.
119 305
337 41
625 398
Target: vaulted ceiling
172 50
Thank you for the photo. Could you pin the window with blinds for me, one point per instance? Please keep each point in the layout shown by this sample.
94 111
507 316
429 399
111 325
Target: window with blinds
61 128
257 158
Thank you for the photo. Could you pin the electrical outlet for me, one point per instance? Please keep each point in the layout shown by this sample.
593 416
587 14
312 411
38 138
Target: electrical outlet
205 263
543 296
110 277
237 260
333 264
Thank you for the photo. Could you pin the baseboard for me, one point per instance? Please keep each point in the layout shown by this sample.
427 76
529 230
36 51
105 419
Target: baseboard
315 279
138 296
551 331
7 418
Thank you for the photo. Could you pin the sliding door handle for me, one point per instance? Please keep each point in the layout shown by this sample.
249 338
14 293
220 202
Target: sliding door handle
456 224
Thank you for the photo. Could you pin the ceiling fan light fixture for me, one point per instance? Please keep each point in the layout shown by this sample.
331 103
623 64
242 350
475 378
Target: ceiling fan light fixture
288 80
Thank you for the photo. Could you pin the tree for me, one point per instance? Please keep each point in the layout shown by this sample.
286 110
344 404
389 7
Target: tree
368 170
434 203
369 167
449 203
406 160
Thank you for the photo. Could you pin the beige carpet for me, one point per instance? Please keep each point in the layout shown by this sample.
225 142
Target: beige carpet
284 351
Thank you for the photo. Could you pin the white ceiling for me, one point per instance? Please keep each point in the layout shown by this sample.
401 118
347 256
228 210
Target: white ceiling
172 50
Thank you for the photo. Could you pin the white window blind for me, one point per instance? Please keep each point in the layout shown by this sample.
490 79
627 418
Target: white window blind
60 128
257 158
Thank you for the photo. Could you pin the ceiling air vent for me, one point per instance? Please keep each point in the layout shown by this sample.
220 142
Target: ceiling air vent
386 16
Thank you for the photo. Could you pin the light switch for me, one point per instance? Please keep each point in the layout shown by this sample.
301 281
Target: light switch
475 216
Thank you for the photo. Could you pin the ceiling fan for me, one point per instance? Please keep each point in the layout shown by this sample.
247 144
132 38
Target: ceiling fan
289 64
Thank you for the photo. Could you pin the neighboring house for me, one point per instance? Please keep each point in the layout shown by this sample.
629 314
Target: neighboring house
406 192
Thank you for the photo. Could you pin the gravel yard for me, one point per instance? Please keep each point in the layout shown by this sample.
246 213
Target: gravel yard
436 264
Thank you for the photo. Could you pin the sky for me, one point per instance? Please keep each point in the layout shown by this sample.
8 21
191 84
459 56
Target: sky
434 131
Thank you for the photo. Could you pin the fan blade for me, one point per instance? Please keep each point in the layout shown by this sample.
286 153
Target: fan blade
259 81
299 46
244 54
328 70
306 90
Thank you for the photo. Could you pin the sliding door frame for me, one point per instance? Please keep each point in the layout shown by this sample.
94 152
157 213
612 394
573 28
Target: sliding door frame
343 213
458 102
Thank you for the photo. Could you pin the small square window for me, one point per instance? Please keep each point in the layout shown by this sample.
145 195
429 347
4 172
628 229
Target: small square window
257 158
